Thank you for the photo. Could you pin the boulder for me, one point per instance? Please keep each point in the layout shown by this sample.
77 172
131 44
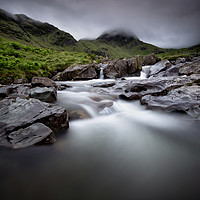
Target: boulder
190 68
20 81
17 90
123 68
134 65
31 135
158 67
17 113
150 60
184 99
42 82
135 89
80 72
44 94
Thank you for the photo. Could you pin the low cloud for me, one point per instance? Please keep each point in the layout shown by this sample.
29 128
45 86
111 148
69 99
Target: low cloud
172 23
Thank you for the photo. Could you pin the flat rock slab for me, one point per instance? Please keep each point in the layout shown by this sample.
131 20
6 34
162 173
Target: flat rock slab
31 135
17 113
184 99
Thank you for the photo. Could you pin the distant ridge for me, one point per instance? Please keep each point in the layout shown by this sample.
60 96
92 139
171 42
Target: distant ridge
26 30
116 43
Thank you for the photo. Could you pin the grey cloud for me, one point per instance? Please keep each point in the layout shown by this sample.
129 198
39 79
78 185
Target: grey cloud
172 23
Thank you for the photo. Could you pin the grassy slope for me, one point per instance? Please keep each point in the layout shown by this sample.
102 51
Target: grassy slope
30 48
18 60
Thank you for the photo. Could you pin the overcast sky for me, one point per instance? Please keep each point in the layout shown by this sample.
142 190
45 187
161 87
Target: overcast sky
165 23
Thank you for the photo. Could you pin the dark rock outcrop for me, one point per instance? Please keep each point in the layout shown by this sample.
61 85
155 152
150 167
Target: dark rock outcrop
17 113
150 60
184 99
136 89
17 90
42 82
31 135
123 68
159 67
78 72
44 94
190 68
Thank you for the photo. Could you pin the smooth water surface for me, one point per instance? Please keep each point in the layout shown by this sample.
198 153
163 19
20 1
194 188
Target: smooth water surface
122 152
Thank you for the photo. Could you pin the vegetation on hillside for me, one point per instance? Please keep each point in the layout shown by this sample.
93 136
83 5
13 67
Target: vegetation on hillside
18 60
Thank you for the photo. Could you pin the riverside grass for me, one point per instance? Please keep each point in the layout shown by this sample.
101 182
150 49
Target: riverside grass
18 60
23 61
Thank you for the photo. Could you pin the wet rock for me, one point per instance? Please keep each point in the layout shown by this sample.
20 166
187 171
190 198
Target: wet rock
31 135
123 68
135 89
44 94
20 81
80 72
42 82
17 113
190 68
158 67
17 90
150 60
134 65
57 77
180 60
184 99
79 114
104 84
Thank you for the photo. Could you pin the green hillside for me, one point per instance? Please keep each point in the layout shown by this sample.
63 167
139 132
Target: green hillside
31 48
23 29
18 60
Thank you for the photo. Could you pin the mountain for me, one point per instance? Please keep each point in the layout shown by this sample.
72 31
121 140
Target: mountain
28 31
117 43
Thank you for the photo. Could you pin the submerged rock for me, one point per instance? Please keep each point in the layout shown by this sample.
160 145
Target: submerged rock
31 135
44 94
184 99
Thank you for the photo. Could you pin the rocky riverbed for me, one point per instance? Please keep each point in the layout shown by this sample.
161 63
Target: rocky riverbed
29 113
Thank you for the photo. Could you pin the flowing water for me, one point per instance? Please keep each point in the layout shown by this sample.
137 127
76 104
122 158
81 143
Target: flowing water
123 151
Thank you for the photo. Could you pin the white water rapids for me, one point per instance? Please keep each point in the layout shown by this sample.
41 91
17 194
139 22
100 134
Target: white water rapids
122 152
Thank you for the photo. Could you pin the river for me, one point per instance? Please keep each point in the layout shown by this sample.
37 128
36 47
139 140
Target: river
122 151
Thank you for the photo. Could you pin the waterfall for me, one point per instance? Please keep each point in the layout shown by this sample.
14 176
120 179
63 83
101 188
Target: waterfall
102 66
145 71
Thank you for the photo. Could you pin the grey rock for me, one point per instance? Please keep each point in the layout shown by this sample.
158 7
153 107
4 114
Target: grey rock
17 90
123 68
135 89
80 72
44 94
190 68
184 99
158 67
42 82
17 113
150 60
31 135
20 81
